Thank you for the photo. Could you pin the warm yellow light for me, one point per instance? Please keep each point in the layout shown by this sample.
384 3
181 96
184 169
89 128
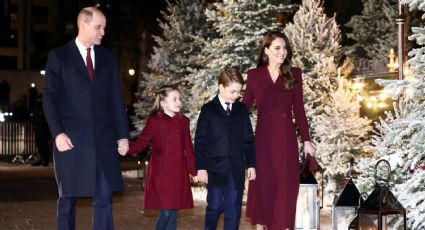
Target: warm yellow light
383 96
131 72
360 98
146 162
369 104
393 64
407 73
138 162
382 105
373 98
358 85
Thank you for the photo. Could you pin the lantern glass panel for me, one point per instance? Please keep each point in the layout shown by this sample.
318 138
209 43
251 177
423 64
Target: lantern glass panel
393 222
368 222
390 222
307 216
342 217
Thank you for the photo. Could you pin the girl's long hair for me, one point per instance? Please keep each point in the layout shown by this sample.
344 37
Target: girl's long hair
160 96
285 68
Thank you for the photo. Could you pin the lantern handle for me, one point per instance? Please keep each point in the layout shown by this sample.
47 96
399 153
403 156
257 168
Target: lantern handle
385 180
350 172
362 198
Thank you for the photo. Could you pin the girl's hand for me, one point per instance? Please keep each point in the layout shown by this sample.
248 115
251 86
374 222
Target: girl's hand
309 149
251 174
122 146
203 176
195 179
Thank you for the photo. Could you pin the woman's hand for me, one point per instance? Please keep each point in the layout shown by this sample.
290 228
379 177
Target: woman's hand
309 149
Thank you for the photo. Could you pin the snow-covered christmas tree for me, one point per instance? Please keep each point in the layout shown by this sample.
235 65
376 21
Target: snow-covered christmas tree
330 103
241 25
315 40
343 134
176 51
400 136
375 33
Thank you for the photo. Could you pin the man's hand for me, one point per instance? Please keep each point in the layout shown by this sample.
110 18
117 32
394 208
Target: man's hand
251 174
202 176
122 146
63 143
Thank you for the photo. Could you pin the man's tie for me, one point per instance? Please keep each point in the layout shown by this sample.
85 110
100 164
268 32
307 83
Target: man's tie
89 64
227 108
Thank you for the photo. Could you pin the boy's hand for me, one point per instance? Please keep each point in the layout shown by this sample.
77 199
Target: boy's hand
203 176
195 179
251 174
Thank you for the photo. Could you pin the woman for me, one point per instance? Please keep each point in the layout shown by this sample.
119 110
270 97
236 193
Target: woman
276 89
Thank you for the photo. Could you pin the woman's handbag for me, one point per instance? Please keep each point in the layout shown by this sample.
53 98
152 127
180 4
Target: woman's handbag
308 164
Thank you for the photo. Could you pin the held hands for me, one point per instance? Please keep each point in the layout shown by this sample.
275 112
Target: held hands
202 176
122 146
251 174
194 179
309 148
63 143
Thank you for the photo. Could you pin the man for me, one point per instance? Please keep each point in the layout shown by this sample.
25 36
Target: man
84 107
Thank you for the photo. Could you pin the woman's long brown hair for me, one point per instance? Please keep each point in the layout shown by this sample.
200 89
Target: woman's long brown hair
285 68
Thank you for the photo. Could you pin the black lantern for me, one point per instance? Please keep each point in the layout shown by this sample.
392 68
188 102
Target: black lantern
307 214
346 204
354 225
381 209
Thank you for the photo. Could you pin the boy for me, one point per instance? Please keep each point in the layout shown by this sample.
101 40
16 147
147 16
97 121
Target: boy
224 147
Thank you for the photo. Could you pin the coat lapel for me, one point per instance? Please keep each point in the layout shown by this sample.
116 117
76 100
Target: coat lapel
78 61
220 107
97 62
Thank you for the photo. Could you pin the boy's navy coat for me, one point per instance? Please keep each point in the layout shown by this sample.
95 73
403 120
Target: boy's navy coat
224 144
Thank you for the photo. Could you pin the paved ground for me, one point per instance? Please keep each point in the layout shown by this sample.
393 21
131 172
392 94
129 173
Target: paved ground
28 201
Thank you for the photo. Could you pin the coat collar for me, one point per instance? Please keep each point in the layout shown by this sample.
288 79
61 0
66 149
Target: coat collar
220 108
163 115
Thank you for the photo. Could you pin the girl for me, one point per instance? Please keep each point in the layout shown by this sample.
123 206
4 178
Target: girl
167 186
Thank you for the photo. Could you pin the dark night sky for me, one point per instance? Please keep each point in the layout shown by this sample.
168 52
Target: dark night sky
127 19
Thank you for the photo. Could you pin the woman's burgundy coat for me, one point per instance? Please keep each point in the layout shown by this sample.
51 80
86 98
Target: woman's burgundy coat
272 197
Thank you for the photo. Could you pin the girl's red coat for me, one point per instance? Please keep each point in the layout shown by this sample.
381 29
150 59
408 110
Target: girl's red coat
167 185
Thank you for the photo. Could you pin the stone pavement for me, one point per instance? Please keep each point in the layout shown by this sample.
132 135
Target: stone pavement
28 202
